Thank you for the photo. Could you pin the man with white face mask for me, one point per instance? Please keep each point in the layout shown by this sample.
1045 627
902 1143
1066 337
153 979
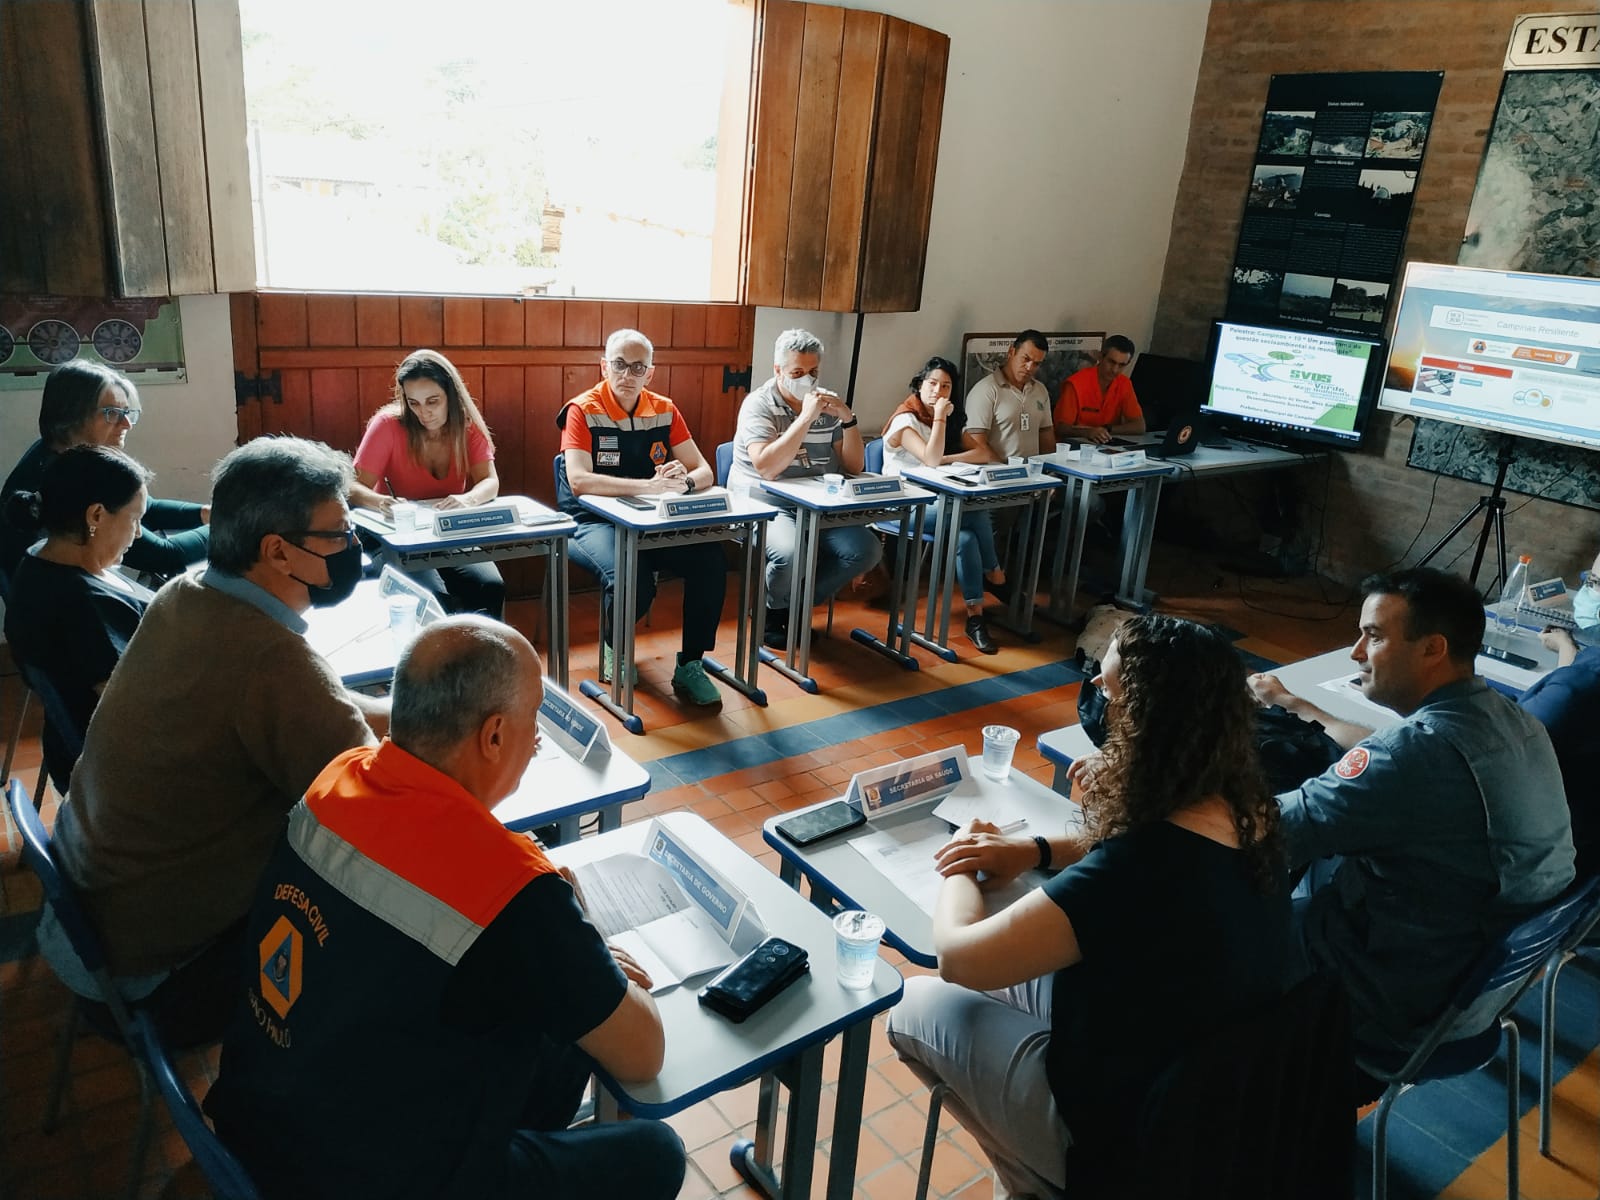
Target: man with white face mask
1567 703
790 428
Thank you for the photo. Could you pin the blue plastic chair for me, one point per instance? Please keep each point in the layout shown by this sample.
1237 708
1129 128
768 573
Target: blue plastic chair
724 463
57 718
222 1170
1505 971
63 901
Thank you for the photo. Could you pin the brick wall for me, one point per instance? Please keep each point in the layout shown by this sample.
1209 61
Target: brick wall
1376 503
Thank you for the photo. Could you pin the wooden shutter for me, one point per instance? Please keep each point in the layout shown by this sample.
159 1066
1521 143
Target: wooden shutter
848 108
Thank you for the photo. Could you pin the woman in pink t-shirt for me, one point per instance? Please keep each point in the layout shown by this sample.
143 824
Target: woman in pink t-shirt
430 443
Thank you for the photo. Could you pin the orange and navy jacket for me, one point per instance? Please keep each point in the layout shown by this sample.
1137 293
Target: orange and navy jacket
631 445
357 1066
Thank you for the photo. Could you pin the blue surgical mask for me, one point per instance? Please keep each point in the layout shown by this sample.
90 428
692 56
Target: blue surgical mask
1586 607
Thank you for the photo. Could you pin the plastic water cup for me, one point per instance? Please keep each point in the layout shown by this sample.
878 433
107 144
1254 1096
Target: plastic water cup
832 483
857 935
999 744
402 618
405 517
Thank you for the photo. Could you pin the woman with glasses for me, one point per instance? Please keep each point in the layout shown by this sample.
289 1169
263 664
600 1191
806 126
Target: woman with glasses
70 612
926 431
430 443
1567 704
85 403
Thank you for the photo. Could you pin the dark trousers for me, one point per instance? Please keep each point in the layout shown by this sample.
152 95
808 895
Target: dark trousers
642 1160
476 587
701 565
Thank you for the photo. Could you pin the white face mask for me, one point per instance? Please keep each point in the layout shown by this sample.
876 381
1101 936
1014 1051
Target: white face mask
1586 607
799 388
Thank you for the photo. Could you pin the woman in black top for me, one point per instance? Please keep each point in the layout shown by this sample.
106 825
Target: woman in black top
1053 1017
70 613
85 403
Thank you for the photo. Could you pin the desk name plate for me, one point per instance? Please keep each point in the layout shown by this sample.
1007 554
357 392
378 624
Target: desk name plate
475 520
1003 473
909 781
871 485
573 727
715 504
722 902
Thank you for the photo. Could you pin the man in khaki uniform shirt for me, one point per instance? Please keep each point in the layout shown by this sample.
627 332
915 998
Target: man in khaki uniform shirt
1008 411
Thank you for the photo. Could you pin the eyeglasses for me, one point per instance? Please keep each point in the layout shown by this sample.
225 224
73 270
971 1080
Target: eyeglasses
623 367
111 414
1590 579
347 535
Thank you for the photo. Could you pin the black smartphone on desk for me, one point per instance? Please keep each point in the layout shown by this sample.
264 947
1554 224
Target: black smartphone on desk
755 979
635 502
805 828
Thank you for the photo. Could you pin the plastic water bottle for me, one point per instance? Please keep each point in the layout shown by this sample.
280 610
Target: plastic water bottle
1512 596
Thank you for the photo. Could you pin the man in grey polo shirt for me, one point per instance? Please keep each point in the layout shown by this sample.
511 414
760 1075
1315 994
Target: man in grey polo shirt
1008 411
215 722
1452 823
789 428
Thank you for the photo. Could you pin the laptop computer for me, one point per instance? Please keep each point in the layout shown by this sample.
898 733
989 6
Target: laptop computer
1182 436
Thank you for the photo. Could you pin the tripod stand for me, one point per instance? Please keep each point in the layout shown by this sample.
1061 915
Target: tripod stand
1493 508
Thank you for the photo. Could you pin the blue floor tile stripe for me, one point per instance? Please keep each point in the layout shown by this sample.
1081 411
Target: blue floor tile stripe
758 749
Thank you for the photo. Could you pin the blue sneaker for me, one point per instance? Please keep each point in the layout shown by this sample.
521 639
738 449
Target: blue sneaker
690 682
608 663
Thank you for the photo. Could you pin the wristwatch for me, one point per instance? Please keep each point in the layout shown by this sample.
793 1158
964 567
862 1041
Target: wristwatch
689 479
850 424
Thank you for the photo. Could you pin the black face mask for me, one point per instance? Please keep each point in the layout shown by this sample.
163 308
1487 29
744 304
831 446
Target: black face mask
344 572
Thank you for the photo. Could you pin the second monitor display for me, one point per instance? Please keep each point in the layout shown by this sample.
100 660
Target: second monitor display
1291 385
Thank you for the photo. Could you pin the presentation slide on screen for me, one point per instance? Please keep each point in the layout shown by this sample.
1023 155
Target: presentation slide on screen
1519 353
1288 377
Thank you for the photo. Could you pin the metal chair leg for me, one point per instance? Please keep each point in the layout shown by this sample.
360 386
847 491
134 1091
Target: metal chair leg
1547 1046
61 1075
930 1139
16 735
141 1137
1513 1103
1380 1142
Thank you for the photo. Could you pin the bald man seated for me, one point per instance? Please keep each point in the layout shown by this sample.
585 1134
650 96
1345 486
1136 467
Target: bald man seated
430 996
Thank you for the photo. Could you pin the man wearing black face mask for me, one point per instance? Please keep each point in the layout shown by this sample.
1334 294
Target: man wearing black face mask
213 725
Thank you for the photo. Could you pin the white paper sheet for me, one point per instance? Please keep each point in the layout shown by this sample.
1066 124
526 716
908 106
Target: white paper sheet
626 891
1343 686
637 904
904 854
960 809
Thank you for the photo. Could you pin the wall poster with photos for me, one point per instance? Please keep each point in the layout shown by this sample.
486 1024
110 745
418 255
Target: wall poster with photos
1329 198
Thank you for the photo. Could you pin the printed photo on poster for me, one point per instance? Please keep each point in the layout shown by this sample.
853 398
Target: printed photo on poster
1286 134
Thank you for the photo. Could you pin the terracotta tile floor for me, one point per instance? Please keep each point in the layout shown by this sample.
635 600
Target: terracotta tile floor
87 1155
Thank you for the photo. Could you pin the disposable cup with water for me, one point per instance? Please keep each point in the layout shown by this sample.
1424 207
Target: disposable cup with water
405 517
402 618
857 934
832 483
999 744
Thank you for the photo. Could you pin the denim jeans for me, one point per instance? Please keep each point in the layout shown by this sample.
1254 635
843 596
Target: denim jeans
975 552
843 552
701 565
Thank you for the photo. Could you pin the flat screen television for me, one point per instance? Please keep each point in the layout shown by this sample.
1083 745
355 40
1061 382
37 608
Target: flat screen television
1291 386
1502 350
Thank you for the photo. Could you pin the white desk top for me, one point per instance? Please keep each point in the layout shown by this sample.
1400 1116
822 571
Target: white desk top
845 872
1239 456
1075 464
943 480
354 636
538 522
706 1053
647 520
556 785
812 493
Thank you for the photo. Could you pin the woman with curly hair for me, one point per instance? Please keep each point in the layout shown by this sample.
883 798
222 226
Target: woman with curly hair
430 443
1051 1018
